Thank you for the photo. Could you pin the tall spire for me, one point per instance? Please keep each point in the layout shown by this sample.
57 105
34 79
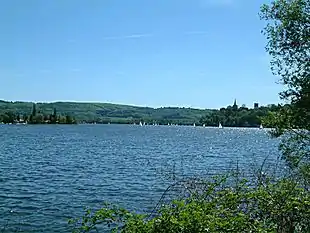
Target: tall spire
235 106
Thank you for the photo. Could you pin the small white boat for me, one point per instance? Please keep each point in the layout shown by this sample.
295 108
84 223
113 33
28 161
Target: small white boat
220 126
204 125
194 125
261 126
140 123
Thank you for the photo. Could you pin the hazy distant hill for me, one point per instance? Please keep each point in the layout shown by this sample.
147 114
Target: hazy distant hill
106 112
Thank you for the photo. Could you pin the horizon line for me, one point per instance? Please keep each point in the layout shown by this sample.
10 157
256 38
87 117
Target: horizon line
123 104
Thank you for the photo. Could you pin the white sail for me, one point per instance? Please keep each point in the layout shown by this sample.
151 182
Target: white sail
220 125
261 126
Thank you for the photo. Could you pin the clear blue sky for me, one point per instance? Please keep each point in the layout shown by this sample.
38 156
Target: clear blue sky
198 53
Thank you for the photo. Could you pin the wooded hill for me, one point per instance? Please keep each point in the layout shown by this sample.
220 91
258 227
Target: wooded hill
126 114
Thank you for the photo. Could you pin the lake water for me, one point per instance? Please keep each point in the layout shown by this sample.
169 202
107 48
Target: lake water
50 173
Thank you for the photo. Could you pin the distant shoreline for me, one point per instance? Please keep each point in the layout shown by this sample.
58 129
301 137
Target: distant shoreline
128 124
106 113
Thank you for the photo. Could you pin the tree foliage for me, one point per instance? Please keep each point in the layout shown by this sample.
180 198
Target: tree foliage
234 116
36 117
288 35
270 207
231 116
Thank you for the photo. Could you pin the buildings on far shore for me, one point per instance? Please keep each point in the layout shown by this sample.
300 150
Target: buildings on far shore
256 105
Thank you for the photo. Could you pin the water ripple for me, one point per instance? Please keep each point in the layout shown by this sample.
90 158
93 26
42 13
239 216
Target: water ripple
50 173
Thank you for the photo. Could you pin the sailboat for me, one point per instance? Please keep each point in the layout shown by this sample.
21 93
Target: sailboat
204 125
261 126
194 125
140 123
220 125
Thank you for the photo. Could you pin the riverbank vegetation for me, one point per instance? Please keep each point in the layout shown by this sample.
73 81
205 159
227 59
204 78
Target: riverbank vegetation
214 206
270 204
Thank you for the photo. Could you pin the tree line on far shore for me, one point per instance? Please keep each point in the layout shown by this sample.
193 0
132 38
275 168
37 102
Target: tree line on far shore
231 116
36 117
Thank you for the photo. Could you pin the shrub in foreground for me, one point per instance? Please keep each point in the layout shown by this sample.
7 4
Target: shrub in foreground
280 207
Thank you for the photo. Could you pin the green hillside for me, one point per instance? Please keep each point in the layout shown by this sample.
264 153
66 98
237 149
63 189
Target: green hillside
106 112
72 112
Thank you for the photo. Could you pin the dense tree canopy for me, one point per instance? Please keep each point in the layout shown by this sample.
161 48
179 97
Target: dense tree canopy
36 117
233 116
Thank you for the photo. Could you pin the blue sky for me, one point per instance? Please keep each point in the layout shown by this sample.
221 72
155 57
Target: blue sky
192 53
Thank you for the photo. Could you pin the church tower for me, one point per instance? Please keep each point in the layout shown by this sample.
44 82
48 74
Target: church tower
235 106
